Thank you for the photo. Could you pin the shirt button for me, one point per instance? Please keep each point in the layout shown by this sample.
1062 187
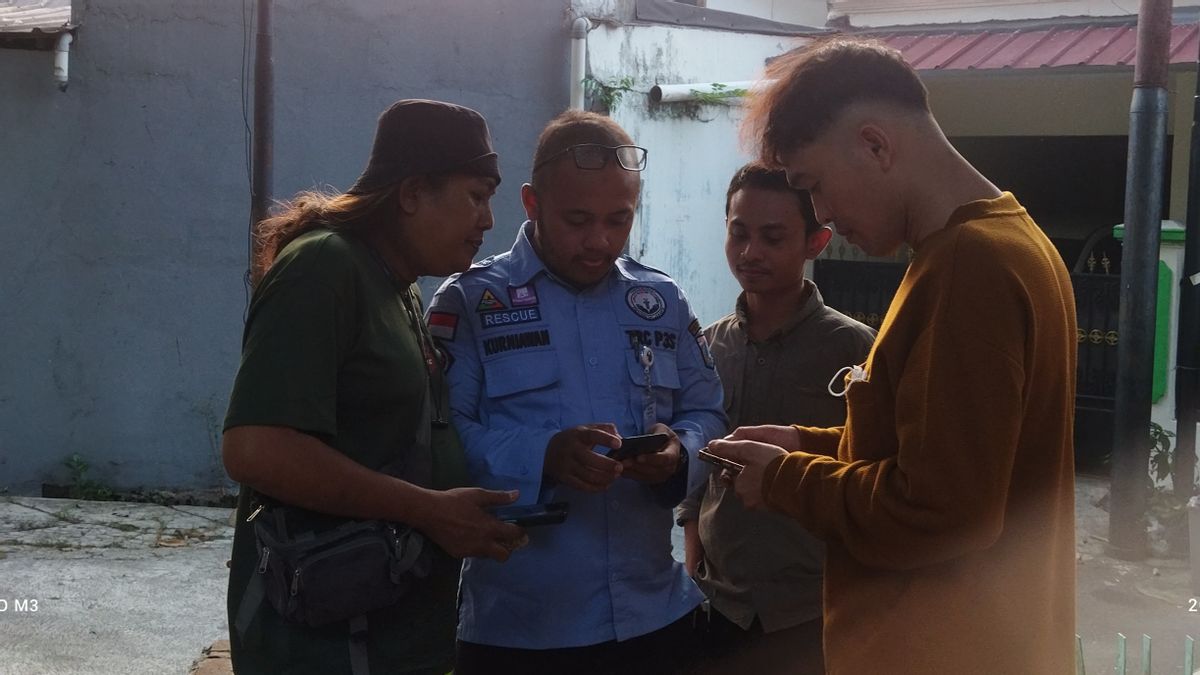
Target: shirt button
762 361
593 361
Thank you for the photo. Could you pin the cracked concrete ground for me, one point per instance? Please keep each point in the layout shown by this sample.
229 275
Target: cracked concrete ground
107 587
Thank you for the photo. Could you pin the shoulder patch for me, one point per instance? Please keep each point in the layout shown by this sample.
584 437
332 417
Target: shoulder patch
443 325
488 302
646 302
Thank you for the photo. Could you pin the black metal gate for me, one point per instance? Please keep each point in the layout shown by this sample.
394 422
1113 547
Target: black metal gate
863 290
860 290
1097 301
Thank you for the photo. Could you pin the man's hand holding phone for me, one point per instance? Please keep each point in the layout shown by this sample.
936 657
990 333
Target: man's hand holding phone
657 466
753 457
571 461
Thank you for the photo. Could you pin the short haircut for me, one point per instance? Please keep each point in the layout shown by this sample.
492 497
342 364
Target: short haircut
762 177
812 85
573 127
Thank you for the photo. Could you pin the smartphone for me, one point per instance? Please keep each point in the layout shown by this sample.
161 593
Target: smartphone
530 515
728 464
634 446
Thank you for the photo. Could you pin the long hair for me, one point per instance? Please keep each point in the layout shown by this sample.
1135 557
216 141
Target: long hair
314 209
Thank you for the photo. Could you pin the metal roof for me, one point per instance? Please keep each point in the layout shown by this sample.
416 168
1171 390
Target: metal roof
1034 46
28 16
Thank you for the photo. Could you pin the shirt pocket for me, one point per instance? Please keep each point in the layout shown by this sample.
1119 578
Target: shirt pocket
664 387
871 416
523 389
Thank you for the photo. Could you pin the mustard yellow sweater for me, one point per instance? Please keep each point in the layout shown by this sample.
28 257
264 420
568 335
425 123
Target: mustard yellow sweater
947 500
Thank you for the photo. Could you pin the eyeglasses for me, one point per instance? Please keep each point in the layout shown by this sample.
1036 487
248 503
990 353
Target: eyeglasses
593 156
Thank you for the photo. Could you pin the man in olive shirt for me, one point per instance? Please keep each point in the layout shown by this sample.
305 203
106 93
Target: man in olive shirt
776 355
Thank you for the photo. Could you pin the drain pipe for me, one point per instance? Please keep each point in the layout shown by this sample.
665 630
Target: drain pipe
62 55
263 151
1139 283
708 91
579 32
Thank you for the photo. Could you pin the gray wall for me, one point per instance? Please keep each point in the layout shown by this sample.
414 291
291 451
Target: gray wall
124 200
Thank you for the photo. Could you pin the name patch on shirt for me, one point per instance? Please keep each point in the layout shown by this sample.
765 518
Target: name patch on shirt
646 302
488 302
508 343
509 317
663 339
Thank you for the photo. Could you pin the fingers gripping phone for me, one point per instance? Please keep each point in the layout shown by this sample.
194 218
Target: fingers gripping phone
633 446
530 515
727 464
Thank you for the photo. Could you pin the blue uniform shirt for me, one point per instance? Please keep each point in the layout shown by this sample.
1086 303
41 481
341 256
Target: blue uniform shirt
529 355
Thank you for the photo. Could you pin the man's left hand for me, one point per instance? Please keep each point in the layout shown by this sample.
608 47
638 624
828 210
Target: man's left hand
755 457
655 467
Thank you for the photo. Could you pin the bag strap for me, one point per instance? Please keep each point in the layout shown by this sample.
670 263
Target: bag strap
252 598
360 663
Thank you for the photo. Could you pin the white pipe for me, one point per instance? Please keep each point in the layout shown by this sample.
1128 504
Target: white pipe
675 93
579 31
62 51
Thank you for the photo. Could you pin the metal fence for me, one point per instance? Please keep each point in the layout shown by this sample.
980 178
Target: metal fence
1121 666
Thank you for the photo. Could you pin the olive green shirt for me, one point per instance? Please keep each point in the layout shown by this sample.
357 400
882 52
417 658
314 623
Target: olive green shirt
330 349
763 564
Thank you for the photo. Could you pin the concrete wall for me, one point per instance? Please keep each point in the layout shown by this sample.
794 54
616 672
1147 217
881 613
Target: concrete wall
124 200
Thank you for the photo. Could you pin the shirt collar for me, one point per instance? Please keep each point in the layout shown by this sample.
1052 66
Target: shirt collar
526 263
810 305
524 259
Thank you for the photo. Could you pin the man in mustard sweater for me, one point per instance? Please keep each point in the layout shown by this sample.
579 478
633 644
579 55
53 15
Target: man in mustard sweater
947 499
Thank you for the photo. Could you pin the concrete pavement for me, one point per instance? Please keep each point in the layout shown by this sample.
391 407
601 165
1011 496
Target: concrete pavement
110 588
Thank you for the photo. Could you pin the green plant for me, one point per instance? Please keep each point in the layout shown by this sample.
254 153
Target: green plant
607 94
1167 509
1162 456
83 487
719 94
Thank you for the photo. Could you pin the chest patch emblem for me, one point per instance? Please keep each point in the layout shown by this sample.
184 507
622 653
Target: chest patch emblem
522 296
489 302
646 302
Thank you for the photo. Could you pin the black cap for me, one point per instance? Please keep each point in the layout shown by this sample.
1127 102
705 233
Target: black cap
416 137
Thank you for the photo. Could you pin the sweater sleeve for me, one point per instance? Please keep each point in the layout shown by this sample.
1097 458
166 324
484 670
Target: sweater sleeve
817 441
958 405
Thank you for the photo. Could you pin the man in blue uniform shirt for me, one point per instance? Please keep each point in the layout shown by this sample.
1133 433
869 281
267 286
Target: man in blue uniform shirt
557 349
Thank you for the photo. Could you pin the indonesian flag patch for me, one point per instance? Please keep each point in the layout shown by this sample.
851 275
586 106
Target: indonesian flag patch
443 325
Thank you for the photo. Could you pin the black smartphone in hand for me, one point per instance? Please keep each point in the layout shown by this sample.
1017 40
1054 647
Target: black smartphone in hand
634 446
530 515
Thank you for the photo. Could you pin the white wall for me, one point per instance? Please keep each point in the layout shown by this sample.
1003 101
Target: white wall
907 12
693 149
